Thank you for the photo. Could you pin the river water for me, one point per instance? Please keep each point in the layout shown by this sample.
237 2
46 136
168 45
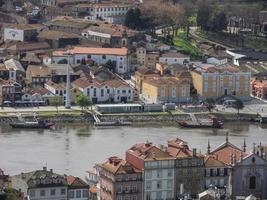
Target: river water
75 148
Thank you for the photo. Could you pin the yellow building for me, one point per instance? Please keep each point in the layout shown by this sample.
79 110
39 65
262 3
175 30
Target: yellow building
212 81
166 90
141 75
141 55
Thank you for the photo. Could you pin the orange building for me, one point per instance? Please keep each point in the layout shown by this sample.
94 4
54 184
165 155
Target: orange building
259 86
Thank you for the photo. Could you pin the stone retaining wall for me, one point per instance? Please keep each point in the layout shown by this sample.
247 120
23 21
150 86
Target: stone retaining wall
137 118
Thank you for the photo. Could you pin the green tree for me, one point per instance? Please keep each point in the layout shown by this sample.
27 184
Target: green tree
238 105
203 16
56 101
111 65
210 104
132 19
218 22
83 101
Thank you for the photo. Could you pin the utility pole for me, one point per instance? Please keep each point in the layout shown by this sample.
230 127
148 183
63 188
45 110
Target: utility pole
67 100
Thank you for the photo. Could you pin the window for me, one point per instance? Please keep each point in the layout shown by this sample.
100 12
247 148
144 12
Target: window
118 91
129 91
53 192
94 92
78 61
148 196
159 174
78 194
85 193
42 193
63 191
104 56
149 175
159 184
102 92
169 173
159 195
169 184
108 91
88 56
123 91
252 182
32 193
71 194
148 185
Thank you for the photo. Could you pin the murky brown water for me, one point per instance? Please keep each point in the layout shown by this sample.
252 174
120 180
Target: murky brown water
75 148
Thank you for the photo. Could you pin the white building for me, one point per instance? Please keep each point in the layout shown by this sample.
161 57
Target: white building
111 12
118 56
174 58
41 185
108 91
21 32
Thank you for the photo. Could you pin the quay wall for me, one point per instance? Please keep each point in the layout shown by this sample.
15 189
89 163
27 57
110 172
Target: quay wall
151 117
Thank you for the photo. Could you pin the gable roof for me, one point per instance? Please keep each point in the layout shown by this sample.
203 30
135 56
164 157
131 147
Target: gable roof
117 165
14 64
180 149
148 151
211 161
225 150
76 182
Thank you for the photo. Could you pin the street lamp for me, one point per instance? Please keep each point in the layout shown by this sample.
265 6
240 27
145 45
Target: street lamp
67 100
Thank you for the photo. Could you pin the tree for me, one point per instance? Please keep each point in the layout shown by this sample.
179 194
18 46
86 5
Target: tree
238 105
218 22
56 101
132 19
203 15
83 101
210 104
111 65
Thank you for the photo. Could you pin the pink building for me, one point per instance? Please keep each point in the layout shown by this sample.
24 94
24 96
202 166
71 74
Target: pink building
119 180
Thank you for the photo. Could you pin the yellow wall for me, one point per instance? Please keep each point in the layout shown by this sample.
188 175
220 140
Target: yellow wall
197 82
212 85
150 90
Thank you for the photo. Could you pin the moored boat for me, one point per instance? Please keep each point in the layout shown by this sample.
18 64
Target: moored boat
212 122
35 123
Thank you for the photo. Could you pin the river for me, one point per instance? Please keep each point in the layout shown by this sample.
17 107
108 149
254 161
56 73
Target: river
75 148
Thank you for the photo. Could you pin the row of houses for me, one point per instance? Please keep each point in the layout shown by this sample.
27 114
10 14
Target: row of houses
45 184
176 171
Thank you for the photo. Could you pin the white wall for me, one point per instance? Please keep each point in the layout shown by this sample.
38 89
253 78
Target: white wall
173 60
13 34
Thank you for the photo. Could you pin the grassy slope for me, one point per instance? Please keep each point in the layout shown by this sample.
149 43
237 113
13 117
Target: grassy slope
185 45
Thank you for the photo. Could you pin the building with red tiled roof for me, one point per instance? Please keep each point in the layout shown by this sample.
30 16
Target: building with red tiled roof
105 88
117 57
119 179
174 58
216 173
226 152
38 75
189 166
77 188
155 164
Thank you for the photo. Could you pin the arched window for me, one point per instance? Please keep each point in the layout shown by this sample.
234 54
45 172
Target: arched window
63 61
252 182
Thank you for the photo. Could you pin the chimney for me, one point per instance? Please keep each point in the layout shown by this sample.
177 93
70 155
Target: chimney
194 152
44 168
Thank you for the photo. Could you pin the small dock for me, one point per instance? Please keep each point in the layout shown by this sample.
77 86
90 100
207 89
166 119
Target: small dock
263 118
110 123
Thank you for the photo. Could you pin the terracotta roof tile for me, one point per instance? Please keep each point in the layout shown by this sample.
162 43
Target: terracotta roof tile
224 152
95 51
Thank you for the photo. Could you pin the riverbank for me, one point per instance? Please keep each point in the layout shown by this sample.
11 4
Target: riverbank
78 116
